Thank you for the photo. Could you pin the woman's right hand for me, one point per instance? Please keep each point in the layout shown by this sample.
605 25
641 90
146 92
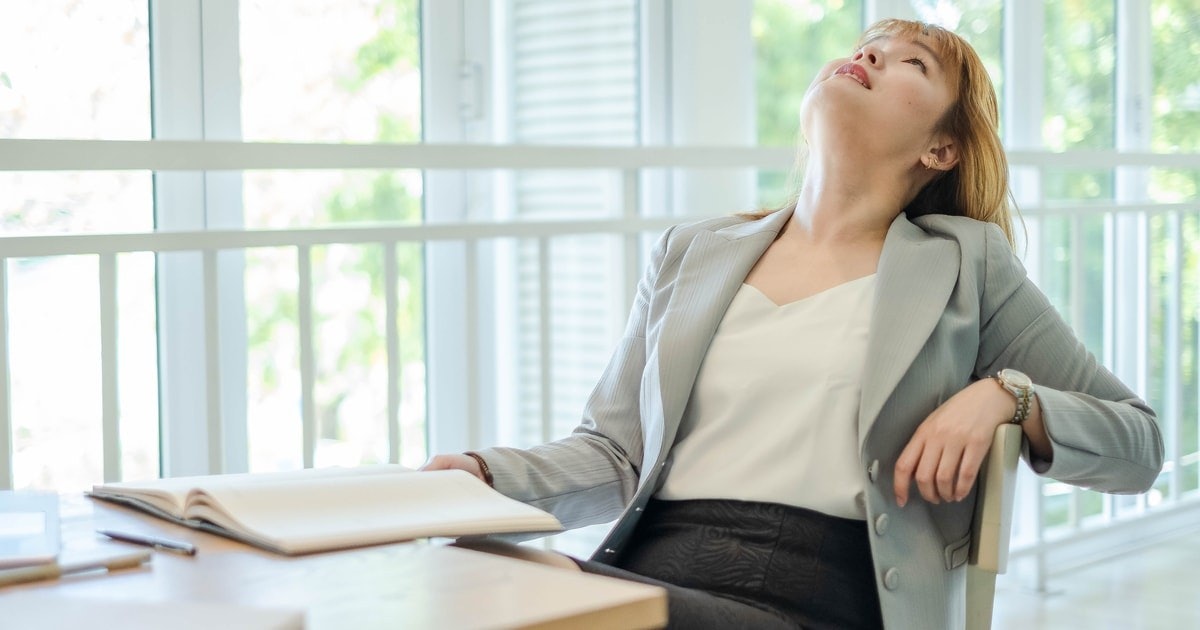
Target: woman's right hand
454 461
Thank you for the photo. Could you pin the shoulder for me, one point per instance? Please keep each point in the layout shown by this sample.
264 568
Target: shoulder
979 241
969 233
686 232
678 238
985 250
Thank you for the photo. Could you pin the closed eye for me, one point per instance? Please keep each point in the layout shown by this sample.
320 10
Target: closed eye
917 62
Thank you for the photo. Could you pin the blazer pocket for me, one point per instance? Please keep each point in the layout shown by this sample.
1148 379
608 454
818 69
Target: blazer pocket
956 553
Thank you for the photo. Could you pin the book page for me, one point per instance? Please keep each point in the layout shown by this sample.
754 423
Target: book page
170 495
162 495
346 511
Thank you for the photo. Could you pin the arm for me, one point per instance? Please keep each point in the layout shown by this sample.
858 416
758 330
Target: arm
1098 433
1085 427
590 475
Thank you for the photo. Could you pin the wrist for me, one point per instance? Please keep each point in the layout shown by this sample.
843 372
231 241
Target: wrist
1019 387
485 473
1006 403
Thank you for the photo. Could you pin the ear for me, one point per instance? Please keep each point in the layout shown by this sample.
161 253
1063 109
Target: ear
943 155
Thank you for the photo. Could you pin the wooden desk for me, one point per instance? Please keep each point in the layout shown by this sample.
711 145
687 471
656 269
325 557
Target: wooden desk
406 585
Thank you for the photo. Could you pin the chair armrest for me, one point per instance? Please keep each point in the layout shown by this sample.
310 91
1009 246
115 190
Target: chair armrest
992 523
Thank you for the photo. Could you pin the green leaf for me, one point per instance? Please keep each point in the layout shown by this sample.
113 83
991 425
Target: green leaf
5 81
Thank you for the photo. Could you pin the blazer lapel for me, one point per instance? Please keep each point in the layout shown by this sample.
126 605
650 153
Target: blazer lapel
916 276
710 274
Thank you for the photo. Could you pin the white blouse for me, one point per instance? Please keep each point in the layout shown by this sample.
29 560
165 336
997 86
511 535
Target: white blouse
773 415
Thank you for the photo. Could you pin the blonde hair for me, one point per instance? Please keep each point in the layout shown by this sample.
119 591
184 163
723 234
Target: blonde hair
977 187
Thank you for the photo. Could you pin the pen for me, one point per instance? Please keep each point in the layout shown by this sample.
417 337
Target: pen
55 570
157 542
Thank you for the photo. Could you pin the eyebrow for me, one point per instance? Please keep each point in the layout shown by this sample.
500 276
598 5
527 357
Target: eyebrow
932 53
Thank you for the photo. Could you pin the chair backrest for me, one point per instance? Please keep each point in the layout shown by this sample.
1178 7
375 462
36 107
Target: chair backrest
992 525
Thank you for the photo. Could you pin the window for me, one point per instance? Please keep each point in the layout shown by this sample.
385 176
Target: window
332 71
486 303
77 71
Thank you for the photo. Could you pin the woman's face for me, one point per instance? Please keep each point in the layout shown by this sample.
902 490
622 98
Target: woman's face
888 98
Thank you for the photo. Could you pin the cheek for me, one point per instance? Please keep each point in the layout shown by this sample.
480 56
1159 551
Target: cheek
922 105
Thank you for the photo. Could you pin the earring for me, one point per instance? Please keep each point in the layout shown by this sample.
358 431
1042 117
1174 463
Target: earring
932 164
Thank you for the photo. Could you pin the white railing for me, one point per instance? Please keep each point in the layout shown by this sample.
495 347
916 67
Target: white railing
1173 511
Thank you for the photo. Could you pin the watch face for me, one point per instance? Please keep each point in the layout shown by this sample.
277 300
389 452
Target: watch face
1016 379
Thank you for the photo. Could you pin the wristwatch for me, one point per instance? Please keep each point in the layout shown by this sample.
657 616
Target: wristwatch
1020 386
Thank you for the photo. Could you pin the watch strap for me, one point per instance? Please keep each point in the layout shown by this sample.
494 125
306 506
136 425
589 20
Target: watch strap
1024 396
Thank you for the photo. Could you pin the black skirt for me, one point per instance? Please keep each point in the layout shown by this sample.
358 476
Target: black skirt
740 564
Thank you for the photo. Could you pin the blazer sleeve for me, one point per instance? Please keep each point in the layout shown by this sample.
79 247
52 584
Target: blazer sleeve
1103 437
589 476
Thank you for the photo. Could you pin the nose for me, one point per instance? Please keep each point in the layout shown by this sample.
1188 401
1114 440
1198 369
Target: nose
868 54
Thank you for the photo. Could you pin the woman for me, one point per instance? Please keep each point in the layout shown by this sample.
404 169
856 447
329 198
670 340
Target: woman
791 427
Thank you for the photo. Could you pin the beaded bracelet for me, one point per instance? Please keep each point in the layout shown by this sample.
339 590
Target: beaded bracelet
483 467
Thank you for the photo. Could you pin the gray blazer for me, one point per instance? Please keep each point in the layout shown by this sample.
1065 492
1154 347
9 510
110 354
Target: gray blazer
952 305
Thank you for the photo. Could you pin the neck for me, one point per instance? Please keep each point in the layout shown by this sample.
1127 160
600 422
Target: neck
849 201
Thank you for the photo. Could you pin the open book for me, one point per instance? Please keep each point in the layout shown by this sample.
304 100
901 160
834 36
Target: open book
320 509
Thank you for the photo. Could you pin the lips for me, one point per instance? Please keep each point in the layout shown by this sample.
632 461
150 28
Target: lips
856 72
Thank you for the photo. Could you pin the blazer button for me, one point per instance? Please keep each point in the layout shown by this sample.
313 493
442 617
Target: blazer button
873 471
881 524
891 579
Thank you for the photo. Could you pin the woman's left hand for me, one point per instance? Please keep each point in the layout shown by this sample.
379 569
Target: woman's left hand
945 453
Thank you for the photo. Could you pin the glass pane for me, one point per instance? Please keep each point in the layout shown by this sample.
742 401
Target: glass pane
330 71
273 424
1057 505
137 365
539 195
295 199
72 69
81 71
54 314
1189 480
573 72
56 202
792 40
775 188
350 356
1080 57
1175 122
55 370
350 379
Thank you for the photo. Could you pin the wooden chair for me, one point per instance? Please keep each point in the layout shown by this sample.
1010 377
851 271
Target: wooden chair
992 525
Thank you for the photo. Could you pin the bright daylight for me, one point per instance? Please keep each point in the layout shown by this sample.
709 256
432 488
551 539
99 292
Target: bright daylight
599 313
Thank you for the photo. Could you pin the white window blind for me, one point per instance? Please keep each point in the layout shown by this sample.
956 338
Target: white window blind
574 80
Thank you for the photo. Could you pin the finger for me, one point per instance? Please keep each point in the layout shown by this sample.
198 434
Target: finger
926 474
906 465
968 471
437 462
947 472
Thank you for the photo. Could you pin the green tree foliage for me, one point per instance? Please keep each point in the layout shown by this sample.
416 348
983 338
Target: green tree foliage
394 47
382 197
1175 127
793 39
1176 57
